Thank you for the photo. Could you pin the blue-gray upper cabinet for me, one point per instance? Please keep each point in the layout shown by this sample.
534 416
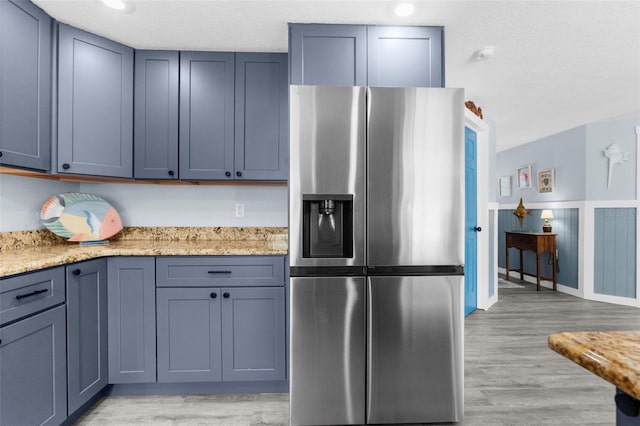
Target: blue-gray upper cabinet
334 55
206 115
95 105
253 333
261 117
405 57
87 366
358 55
156 114
25 84
132 321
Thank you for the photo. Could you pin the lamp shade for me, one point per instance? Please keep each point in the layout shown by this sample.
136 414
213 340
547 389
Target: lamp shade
546 214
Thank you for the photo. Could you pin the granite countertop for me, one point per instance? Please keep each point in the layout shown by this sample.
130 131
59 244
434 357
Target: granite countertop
612 355
20 258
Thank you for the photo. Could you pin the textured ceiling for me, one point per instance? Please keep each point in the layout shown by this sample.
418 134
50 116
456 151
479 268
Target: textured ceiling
557 64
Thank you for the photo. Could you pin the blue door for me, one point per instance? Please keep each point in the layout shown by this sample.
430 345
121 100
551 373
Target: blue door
471 218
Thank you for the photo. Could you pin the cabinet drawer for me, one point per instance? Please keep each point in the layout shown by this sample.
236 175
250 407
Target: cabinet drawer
26 294
224 271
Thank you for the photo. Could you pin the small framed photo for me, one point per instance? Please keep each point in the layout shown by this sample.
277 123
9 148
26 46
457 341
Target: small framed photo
504 186
545 180
524 176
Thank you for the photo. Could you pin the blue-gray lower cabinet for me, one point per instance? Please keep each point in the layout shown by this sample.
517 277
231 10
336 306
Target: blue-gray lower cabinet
405 56
261 117
156 114
25 84
132 319
86 331
95 105
33 374
189 333
206 115
221 334
253 333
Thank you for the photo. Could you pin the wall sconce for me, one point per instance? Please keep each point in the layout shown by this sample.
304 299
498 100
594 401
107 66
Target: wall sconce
546 215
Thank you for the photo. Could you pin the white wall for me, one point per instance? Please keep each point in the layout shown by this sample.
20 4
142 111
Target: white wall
21 199
149 205
195 205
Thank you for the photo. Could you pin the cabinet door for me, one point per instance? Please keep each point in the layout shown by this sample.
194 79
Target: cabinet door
253 334
95 105
206 115
156 115
132 319
188 334
405 57
25 84
33 385
333 55
262 117
86 331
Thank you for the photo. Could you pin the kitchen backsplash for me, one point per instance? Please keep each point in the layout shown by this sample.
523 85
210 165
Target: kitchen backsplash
150 205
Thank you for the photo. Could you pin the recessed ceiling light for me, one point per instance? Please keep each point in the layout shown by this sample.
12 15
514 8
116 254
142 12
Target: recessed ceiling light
115 4
126 6
404 9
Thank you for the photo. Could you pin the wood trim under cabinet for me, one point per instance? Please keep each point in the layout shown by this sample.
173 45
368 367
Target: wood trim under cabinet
96 179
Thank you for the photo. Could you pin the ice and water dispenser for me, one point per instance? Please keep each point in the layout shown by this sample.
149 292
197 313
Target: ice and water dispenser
327 223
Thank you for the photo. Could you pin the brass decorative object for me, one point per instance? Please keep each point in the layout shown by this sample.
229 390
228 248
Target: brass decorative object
521 212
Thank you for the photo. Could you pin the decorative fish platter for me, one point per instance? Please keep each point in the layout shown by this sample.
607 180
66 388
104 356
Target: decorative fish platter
80 217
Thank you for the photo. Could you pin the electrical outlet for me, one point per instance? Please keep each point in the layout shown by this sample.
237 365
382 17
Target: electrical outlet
239 210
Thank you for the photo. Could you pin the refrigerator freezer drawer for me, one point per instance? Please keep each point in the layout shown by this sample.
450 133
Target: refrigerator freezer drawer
327 350
415 349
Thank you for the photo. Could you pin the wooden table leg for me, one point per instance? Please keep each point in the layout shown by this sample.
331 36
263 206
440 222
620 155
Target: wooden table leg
538 271
507 262
521 266
553 265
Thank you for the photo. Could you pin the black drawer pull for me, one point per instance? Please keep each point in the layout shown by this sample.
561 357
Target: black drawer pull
76 272
33 293
226 295
213 295
66 166
219 272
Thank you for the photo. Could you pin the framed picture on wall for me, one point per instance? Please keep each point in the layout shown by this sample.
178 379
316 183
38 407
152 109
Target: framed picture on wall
545 180
524 176
504 186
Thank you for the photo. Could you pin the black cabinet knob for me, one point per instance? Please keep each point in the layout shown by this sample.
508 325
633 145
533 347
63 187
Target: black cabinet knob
0 153
477 229
171 173
76 272
214 295
227 174
226 295
239 174
66 166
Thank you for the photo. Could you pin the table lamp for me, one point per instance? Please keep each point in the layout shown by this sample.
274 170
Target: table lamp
546 215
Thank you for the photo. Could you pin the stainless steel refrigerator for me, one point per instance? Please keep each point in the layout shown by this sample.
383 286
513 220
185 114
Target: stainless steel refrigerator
376 236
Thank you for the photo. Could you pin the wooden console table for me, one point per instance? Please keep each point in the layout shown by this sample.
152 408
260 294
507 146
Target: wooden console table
537 243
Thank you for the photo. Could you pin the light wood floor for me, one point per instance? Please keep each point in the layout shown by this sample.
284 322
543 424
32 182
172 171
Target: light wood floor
511 377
